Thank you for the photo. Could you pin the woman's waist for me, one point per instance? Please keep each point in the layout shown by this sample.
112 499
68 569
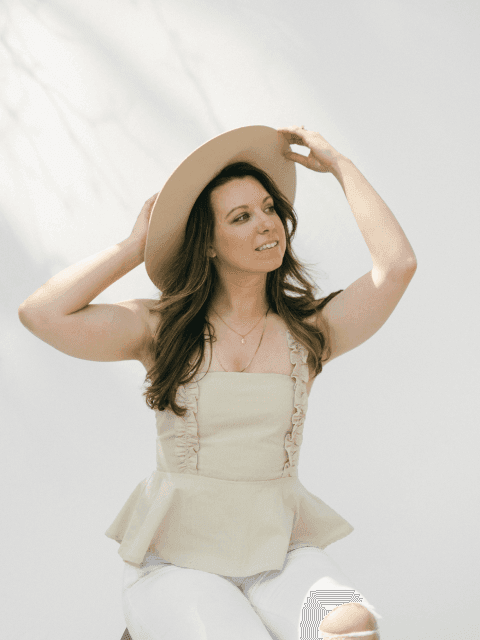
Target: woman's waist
247 477
225 462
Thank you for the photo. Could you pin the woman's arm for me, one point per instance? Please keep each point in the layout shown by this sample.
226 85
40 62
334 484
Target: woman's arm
358 312
75 287
386 241
61 314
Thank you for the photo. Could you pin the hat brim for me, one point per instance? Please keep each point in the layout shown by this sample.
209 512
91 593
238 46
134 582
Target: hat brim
258 144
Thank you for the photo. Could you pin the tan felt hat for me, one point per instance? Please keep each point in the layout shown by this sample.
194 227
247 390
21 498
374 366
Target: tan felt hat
257 144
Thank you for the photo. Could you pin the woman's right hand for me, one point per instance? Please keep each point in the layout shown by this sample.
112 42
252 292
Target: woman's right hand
140 229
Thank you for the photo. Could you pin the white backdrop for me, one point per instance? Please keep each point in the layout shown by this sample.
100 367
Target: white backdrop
100 102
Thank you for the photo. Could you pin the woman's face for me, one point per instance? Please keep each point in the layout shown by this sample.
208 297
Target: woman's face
238 233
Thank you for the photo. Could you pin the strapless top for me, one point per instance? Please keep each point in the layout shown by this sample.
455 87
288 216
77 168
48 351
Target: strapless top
225 496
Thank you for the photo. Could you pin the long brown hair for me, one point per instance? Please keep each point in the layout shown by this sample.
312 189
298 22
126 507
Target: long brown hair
191 281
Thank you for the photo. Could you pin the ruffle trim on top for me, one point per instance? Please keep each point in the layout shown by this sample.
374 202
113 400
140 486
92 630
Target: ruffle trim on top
294 438
186 429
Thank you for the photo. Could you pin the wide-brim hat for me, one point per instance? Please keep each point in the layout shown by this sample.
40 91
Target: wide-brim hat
261 145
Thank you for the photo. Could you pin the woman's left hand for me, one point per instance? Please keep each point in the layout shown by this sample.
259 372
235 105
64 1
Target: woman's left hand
322 155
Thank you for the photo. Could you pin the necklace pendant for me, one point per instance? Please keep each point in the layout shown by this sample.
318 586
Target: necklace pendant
243 340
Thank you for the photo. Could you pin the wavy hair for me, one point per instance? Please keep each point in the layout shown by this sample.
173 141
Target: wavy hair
191 282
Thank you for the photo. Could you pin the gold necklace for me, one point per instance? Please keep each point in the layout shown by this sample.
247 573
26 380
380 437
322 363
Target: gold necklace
243 339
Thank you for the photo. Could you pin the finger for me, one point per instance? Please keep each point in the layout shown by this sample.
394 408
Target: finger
293 138
297 157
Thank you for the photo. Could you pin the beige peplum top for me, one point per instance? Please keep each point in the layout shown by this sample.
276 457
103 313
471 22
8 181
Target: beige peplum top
225 496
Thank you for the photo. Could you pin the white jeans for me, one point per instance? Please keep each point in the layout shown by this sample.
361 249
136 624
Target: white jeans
162 601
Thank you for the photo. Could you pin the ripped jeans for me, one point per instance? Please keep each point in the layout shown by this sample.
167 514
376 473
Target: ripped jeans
162 601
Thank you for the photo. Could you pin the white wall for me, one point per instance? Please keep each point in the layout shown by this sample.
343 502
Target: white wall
100 102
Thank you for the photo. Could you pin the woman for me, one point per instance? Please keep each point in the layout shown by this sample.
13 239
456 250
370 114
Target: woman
222 540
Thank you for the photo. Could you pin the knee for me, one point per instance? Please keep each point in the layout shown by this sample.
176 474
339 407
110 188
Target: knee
348 618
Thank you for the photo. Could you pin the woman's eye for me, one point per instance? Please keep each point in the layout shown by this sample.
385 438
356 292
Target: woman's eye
247 214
